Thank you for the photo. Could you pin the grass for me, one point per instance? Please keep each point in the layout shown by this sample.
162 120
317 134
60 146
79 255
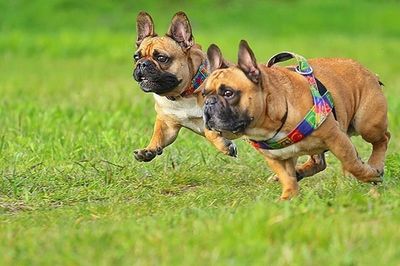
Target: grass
71 115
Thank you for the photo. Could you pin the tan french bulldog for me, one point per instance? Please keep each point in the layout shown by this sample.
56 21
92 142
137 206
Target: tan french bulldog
172 67
261 102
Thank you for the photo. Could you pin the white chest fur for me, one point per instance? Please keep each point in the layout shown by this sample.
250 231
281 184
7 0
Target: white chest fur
186 111
285 153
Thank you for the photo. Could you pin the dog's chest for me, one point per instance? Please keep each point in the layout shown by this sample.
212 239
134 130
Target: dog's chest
185 111
283 154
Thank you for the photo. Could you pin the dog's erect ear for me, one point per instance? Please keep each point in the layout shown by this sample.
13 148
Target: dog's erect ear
181 31
215 58
144 27
247 62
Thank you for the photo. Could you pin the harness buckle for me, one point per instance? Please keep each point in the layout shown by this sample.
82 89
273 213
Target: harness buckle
309 71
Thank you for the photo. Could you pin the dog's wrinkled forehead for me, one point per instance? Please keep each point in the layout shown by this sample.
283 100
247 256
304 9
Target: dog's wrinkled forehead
162 44
232 77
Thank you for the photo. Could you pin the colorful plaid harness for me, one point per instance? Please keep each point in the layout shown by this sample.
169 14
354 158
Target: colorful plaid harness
323 105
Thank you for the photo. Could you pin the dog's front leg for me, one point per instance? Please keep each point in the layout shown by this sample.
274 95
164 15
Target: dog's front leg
222 144
315 164
165 132
286 172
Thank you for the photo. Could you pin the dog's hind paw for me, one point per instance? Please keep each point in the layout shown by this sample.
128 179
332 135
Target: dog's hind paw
378 178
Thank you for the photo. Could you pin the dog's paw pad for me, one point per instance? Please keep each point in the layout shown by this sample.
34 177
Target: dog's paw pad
145 155
159 151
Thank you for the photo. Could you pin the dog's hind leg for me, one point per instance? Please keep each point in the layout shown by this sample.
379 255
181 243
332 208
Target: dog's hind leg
370 121
341 146
377 158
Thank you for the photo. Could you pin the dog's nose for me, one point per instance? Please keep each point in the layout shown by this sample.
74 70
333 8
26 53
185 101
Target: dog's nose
142 67
143 64
211 100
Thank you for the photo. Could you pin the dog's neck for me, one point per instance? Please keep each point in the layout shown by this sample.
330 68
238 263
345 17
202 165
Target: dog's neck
198 66
273 93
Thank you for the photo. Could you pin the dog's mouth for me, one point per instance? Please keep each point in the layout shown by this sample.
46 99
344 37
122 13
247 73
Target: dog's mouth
227 120
235 129
240 127
157 87
230 130
145 84
143 79
160 83
229 134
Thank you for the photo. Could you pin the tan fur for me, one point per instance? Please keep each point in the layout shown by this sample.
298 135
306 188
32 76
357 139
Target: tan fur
183 111
360 107
186 65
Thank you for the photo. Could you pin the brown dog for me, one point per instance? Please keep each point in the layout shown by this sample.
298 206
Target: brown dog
173 67
261 102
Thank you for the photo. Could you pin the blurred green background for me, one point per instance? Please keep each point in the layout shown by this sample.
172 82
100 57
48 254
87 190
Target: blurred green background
71 115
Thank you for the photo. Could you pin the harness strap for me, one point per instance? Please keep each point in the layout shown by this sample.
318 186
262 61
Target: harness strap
323 105
322 90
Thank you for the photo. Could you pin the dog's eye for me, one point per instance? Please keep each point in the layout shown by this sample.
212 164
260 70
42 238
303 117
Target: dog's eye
136 57
162 58
228 94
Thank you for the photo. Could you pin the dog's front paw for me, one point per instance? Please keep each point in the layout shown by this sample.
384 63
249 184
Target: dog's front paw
146 155
289 193
232 149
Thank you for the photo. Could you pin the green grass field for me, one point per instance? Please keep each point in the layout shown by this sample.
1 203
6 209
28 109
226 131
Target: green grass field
71 116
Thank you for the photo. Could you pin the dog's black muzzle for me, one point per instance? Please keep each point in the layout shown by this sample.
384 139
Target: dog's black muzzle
209 110
152 79
222 117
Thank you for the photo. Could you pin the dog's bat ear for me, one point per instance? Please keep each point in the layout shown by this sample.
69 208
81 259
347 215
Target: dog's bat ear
144 27
181 31
247 62
215 58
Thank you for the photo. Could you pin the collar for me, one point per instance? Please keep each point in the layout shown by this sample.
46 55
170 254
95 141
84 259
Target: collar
323 105
198 79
